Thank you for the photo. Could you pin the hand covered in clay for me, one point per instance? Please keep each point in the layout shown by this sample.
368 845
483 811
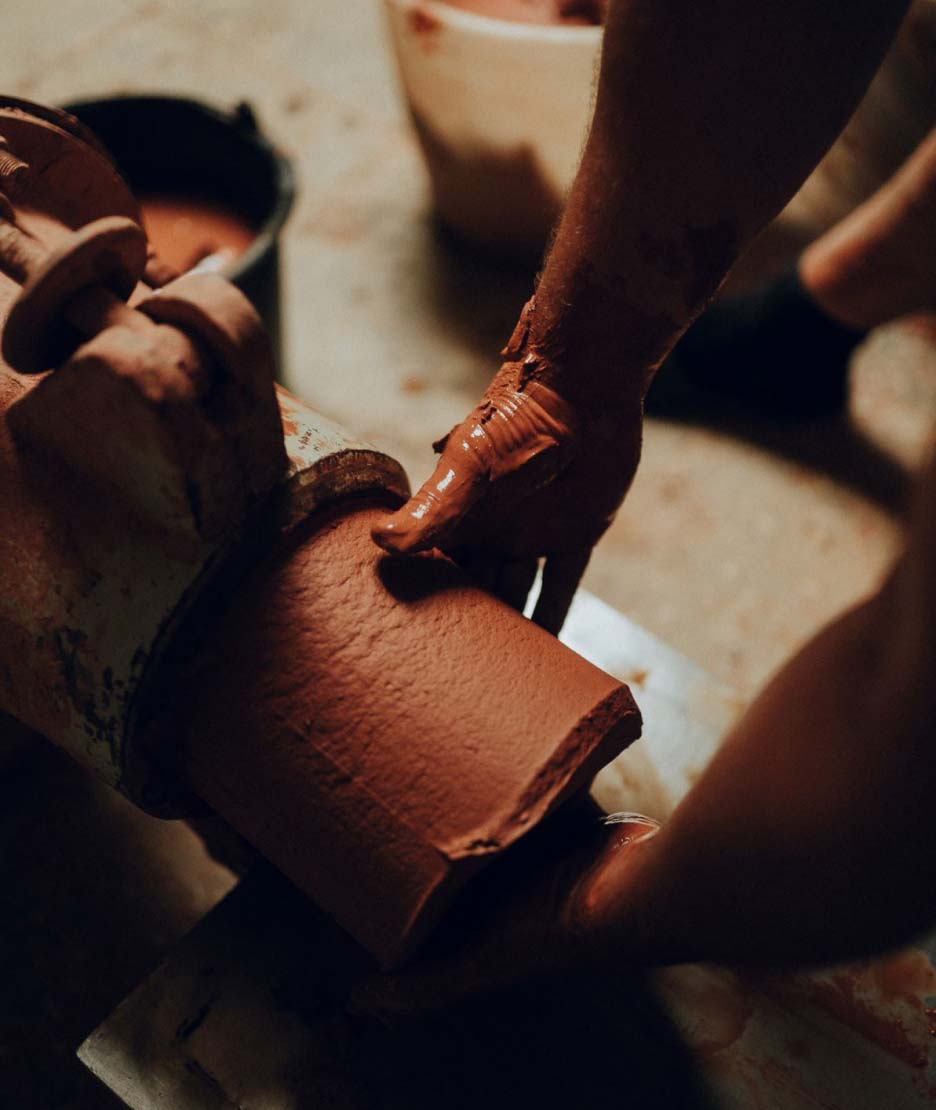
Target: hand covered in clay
540 911
532 472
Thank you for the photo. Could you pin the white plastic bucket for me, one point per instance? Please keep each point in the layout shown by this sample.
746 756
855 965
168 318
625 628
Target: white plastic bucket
502 111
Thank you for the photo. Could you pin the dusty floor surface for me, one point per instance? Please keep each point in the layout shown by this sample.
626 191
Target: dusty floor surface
735 542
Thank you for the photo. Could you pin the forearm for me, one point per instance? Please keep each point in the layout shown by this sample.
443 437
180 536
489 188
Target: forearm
809 838
708 118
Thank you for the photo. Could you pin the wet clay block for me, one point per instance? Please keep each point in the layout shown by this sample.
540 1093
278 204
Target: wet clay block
379 728
184 230
537 11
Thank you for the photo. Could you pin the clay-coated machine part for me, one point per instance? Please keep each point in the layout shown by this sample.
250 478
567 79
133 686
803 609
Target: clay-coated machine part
190 602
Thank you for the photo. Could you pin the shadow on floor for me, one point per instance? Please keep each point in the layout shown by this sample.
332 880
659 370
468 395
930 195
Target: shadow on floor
477 294
266 959
94 892
834 448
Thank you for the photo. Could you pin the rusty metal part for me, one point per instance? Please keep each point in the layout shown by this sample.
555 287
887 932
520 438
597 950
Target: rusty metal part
71 180
195 453
225 326
201 478
12 169
134 471
83 282
89 600
78 288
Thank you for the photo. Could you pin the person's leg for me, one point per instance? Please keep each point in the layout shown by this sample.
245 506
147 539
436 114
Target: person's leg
772 352
879 263
784 350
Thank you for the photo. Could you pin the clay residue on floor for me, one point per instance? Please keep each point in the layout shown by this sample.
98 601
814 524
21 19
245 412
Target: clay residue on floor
884 1001
764 1037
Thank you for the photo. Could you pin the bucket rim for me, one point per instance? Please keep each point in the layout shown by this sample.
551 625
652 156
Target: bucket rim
240 118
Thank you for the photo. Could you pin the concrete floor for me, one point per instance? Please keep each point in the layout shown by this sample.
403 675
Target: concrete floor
734 545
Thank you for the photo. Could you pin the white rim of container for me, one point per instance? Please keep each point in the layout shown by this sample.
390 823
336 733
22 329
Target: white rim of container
464 20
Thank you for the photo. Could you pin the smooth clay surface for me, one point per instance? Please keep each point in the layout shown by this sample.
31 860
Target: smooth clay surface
379 727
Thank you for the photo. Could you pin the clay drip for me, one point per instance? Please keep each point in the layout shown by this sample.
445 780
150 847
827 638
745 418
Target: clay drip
379 727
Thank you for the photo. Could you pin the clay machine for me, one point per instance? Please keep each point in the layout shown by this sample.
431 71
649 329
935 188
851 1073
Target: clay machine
190 603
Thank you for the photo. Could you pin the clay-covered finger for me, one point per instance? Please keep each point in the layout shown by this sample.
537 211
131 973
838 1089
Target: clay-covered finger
431 517
514 429
561 576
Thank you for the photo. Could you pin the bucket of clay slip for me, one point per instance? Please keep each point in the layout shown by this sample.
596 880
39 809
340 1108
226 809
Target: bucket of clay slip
501 110
208 182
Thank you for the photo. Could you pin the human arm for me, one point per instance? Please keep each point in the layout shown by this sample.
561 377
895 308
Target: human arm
707 119
809 838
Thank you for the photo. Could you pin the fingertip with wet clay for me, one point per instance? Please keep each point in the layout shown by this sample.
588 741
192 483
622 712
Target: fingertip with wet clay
511 430
410 529
430 517
395 534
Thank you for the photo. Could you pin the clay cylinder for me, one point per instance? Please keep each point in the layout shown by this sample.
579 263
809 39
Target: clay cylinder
379 727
